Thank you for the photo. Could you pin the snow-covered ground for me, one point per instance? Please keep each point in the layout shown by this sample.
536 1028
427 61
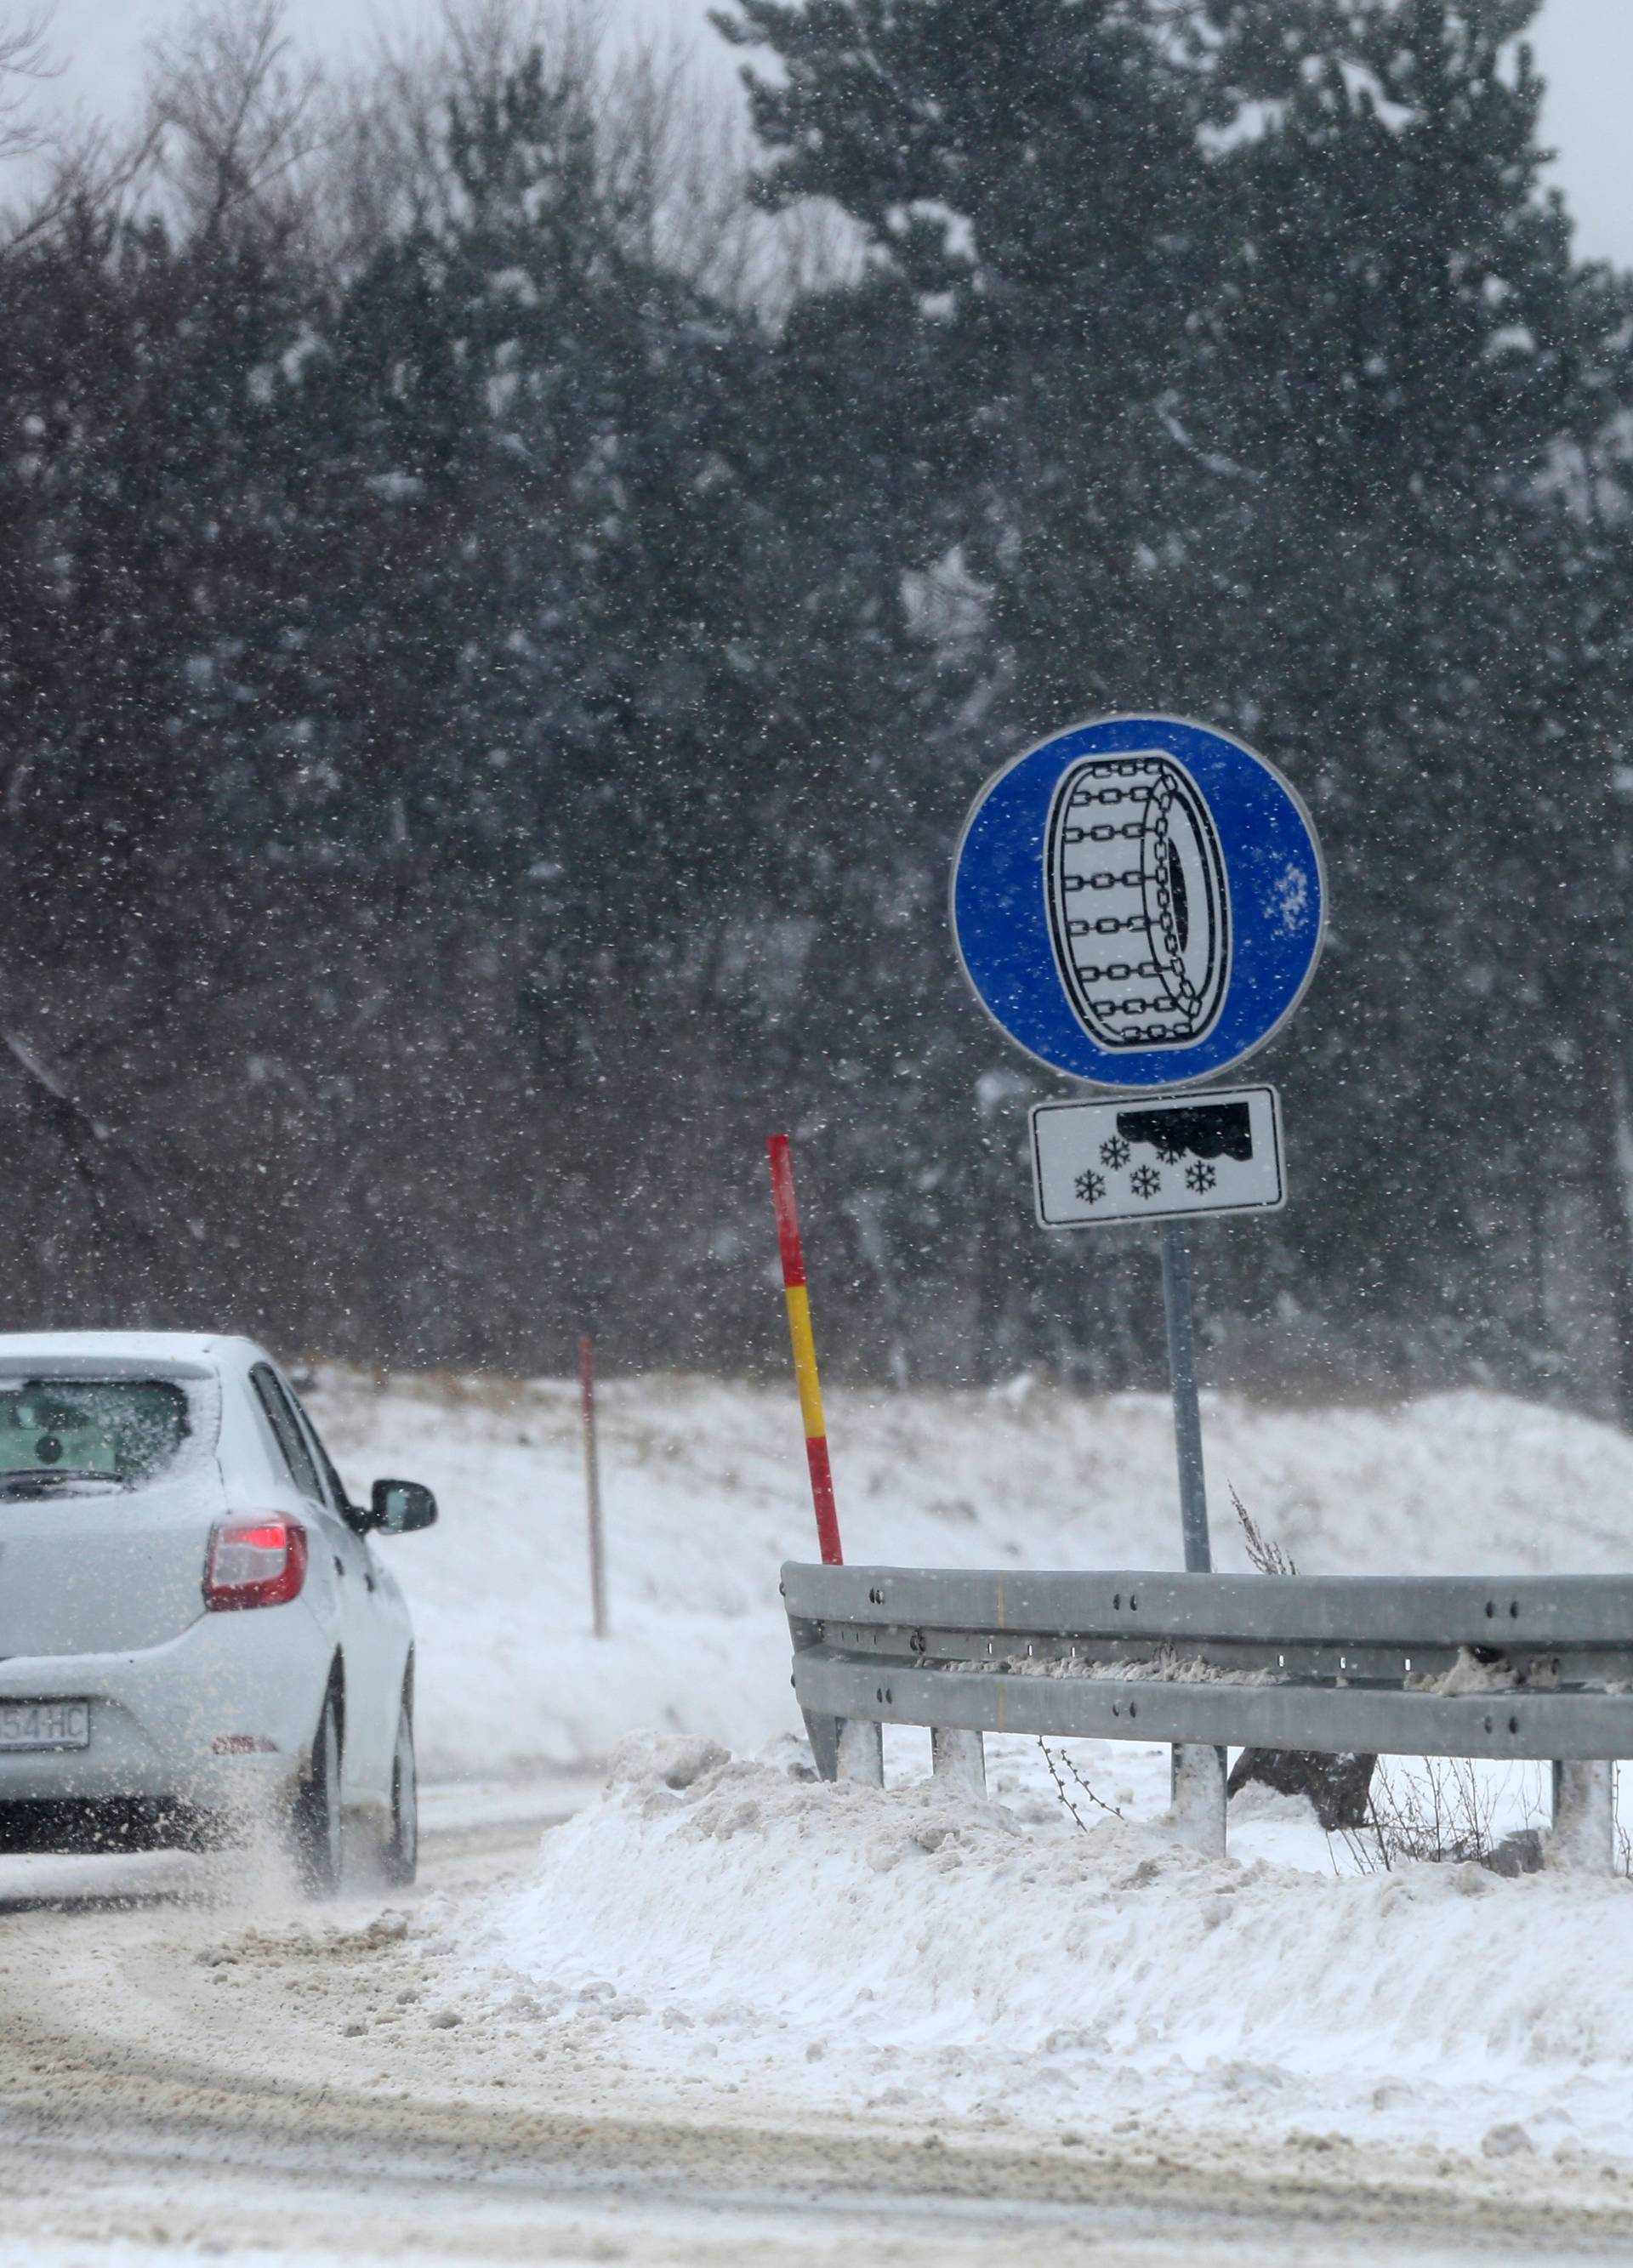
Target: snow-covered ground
706 1495
736 1924
929 1955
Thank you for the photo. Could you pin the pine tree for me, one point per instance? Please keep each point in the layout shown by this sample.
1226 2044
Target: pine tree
1398 350
1264 424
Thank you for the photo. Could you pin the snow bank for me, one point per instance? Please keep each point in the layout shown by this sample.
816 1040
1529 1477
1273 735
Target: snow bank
705 1493
914 1950
738 1925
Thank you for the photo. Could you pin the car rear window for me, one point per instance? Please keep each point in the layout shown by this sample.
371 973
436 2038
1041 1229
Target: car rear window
127 1430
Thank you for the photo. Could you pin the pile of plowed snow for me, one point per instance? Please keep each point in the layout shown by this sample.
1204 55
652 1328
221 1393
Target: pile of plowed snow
734 1923
705 1494
928 1953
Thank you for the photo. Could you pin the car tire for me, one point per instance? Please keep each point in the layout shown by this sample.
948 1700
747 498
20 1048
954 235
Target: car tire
316 1836
399 1857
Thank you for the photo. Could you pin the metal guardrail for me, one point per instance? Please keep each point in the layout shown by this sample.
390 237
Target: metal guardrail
1523 1667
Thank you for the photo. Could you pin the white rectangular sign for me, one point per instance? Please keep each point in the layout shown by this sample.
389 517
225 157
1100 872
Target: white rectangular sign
1216 1151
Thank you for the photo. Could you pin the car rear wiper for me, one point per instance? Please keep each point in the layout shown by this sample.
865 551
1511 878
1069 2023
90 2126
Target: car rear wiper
26 1478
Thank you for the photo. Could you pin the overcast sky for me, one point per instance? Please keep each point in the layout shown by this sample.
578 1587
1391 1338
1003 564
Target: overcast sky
1584 48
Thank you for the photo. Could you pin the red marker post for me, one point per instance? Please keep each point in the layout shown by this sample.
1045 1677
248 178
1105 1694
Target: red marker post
804 1350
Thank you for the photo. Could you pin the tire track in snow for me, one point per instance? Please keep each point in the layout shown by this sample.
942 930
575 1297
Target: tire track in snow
276 2075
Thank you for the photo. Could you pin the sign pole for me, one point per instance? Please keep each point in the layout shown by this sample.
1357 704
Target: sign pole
592 1485
1198 1774
1177 1307
1138 901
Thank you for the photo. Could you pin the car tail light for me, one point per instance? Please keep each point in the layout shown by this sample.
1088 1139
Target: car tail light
258 1561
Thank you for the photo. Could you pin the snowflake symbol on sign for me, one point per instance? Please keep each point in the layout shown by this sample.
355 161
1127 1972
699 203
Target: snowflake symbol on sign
1090 1188
1114 1152
1201 1177
1145 1181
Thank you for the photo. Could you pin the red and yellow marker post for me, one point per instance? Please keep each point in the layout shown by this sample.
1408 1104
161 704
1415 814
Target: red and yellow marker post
804 1350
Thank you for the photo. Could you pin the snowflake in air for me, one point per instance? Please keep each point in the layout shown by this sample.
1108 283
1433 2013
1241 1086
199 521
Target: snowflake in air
1090 1188
1114 1152
1170 1152
1201 1177
1145 1181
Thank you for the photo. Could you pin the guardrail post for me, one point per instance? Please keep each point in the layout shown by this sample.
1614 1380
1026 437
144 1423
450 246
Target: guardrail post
823 1733
1199 1799
1585 1833
861 1752
959 1759
821 1729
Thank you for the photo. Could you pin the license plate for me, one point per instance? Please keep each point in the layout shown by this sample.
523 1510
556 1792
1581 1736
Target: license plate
45 1725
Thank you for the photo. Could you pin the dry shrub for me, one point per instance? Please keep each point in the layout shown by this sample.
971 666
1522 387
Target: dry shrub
1440 1814
1337 1786
1264 1554
1084 1788
1443 1815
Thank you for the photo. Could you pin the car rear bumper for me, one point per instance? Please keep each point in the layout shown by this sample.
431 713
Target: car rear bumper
220 1717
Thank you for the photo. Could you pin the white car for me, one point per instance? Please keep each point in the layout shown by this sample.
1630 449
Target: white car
195 1630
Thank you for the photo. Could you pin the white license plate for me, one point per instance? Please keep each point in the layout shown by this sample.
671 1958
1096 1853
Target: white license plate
45 1725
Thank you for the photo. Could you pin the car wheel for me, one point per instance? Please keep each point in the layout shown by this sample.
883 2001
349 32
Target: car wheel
315 1822
400 1857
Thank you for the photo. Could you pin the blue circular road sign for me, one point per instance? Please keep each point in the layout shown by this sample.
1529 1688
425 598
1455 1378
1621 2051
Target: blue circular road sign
1139 902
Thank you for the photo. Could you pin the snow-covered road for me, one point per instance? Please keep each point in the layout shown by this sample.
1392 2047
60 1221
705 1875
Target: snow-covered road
1018 2039
208 2073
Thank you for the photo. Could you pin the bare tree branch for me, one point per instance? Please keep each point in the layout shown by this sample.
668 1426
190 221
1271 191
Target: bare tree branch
90 170
57 169
24 63
393 169
239 118
675 154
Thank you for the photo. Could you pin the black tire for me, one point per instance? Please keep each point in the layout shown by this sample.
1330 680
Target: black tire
399 1857
316 1836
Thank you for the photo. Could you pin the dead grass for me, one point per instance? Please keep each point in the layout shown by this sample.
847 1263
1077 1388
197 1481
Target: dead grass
1264 1554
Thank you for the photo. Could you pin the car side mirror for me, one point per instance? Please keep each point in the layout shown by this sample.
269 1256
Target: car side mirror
398 1507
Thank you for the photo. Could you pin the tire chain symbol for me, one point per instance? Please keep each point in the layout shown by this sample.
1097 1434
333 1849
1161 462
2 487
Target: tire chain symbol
1121 915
